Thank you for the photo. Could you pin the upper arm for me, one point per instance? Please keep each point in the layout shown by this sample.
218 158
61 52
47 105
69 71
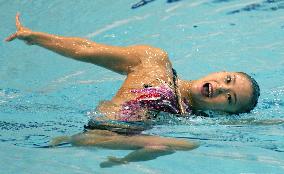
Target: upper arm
151 55
117 59
121 59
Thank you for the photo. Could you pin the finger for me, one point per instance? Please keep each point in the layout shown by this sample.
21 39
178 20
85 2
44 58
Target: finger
12 37
18 23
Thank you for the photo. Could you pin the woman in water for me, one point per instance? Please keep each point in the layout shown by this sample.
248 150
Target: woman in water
151 86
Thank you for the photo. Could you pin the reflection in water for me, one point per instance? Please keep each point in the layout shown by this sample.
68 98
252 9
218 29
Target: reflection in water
141 3
261 129
253 121
144 2
266 5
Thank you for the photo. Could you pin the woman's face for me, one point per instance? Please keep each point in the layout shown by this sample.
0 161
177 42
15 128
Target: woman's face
222 91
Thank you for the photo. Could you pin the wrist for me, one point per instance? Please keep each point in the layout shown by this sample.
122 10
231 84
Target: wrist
29 38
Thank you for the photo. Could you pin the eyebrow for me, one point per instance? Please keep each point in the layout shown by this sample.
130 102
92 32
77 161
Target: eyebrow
235 95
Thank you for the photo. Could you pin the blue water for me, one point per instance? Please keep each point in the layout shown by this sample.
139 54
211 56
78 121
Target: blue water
43 95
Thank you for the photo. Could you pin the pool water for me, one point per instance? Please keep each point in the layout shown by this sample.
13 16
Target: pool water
44 95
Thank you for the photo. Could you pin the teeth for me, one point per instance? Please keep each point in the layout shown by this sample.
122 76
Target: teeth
210 90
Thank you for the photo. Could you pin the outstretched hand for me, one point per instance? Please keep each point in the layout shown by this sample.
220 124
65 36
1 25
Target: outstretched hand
22 32
112 161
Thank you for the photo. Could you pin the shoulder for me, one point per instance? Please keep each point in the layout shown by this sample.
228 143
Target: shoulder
151 53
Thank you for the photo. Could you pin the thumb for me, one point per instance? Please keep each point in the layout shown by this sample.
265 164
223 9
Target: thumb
11 37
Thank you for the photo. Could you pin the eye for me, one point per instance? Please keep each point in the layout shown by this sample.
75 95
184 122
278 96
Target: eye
229 97
228 79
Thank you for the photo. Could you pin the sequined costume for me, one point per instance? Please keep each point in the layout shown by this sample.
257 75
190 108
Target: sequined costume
160 98
130 119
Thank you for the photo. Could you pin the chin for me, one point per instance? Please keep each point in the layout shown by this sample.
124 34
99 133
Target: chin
198 103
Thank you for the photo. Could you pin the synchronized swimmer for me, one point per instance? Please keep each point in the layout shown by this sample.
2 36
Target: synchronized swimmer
151 86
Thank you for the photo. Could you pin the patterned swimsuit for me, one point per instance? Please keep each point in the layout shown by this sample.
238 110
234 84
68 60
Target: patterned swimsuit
157 99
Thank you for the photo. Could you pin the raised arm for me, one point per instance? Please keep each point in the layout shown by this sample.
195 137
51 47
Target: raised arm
118 59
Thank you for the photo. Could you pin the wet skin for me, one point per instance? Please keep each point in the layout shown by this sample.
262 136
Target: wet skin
144 147
142 64
222 91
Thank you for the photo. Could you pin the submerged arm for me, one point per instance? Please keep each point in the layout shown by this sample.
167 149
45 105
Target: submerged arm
152 147
118 59
144 154
146 147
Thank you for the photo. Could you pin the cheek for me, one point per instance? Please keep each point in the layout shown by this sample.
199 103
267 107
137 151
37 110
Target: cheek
195 89
218 102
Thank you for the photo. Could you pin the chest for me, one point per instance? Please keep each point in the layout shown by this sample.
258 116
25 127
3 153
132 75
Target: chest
143 78
145 90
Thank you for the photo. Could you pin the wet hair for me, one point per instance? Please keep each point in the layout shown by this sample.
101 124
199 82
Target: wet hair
254 97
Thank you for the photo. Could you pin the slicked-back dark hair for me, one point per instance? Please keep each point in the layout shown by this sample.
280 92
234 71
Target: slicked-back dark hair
254 97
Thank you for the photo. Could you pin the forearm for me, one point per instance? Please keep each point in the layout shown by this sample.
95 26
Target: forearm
66 46
115 58
143 154
146 154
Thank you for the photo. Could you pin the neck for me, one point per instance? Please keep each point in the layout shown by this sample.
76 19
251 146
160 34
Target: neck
184 86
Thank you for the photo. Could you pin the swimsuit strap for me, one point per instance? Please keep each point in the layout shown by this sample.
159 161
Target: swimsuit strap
177 92
174 87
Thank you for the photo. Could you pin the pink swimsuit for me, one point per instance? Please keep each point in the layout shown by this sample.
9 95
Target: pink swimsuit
130 120
160 98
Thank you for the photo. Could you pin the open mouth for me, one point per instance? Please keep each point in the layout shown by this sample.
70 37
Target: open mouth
207 90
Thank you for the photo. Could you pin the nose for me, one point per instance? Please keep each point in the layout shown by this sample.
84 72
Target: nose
222 89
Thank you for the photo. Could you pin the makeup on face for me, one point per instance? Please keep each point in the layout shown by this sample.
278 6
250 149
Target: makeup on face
225 91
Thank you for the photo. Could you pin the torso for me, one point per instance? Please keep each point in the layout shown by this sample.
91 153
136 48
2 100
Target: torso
153 73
